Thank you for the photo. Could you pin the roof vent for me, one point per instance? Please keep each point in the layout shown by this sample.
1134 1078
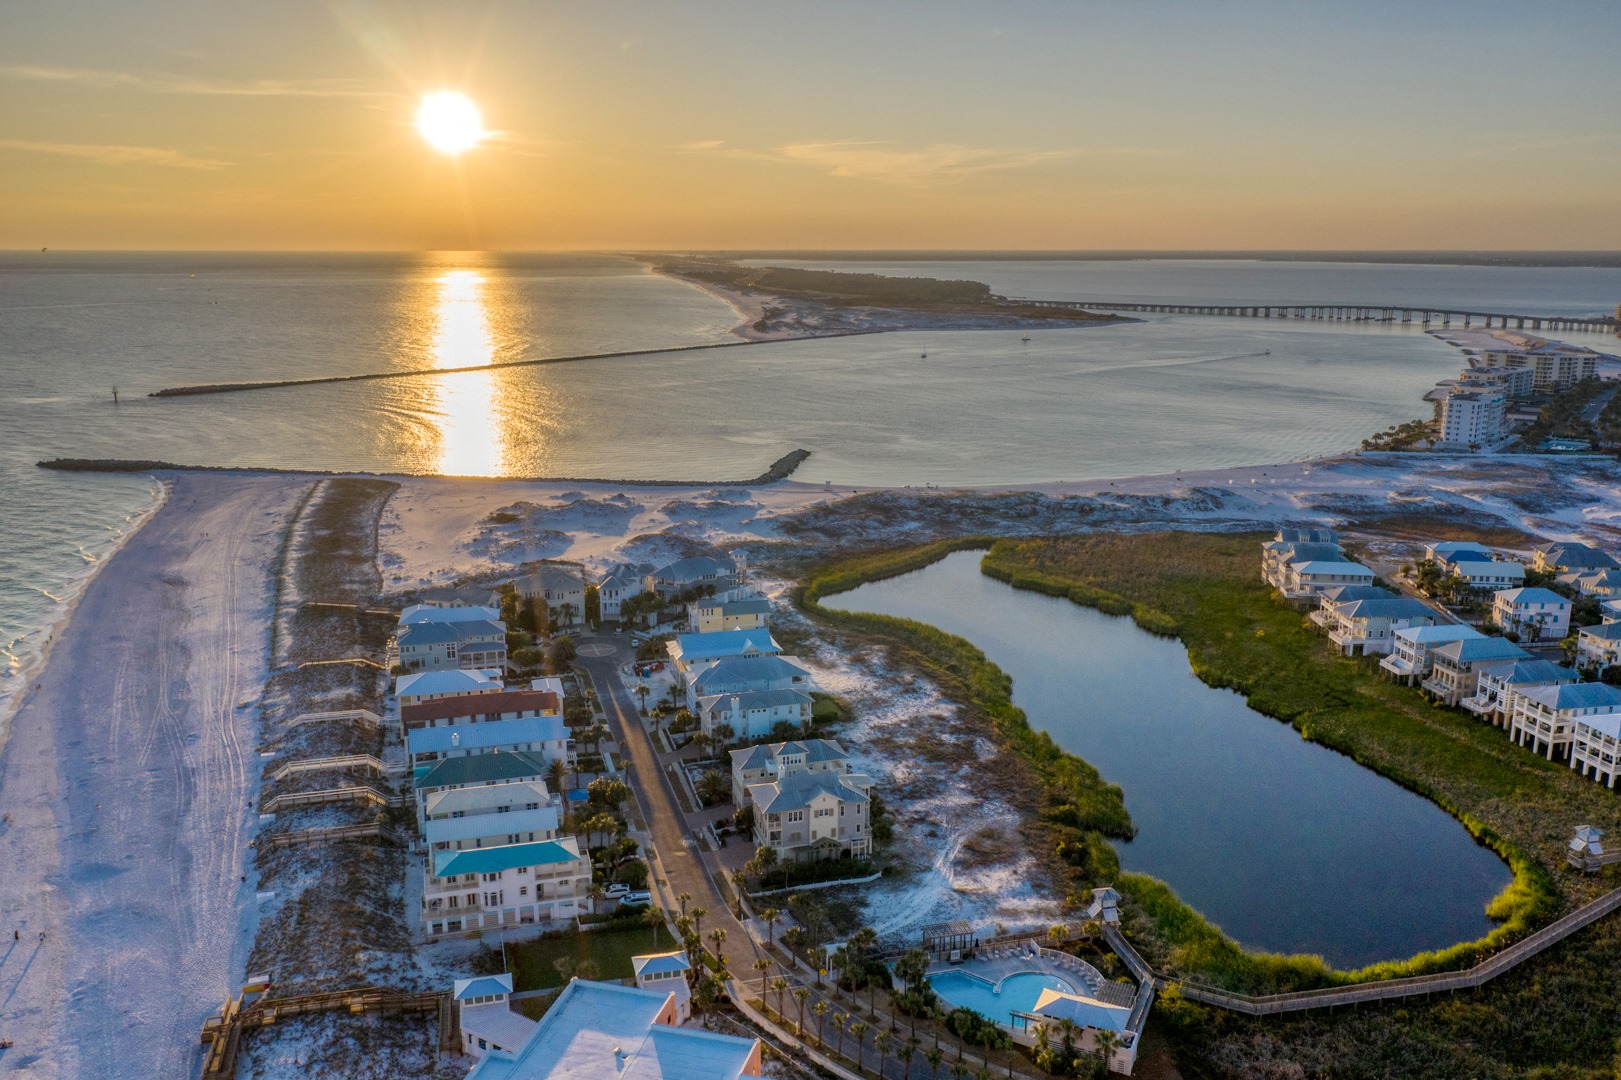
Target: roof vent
619 1058
455 738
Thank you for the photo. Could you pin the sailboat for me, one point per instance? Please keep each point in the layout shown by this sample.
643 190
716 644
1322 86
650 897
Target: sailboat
1025 339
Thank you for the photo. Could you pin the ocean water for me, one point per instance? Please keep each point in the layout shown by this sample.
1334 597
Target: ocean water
981 407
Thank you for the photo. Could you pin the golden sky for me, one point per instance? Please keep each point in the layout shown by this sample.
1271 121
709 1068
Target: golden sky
189 125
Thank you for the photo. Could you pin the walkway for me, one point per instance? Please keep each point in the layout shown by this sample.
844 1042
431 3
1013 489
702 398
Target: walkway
1386 990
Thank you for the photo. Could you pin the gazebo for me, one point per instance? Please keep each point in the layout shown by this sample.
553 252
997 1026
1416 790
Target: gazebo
948 940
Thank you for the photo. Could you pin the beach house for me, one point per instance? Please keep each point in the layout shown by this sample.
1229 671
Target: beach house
479 770
1595 746
755 715
1278 555
1409 659
704 571
619 584
1492 575
598 1029
1566 557
561 587
1447 552
1368 627
1329 600
745 675
423 686
449 596
1544 718
666 971
492 830
771 761
486 1018
502 798
481 708
1455 666
810 815
546 737
1308 580
1603 584
713 614
511 885
694 653
1598 647
1493 698
1535 614
469 644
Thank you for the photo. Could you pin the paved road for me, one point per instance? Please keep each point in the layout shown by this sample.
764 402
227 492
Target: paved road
684 866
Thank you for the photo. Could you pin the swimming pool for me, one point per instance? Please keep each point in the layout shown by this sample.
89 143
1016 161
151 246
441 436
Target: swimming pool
1015 993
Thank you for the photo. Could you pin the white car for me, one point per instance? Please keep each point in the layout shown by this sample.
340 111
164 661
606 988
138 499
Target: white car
637 898
618 891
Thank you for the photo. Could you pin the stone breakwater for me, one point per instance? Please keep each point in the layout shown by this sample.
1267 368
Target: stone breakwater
780 469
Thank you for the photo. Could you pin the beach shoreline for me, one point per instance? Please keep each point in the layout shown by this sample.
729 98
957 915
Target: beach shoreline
37 658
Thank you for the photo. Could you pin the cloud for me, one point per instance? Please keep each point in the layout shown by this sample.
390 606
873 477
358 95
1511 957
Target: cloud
889 163
115 155
163 83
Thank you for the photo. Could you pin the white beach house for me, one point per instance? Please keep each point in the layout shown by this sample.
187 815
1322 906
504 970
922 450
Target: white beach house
1490 574
1368 627
1448 552
561 587
694 653
1544 718
1330 600
755 714
1278 555
1595 747
1409 658
435 685
809 816
1534 614
546 737
1566 557
493 830
1493 699
487 1020
481 708
478 770
747 674
771 761
511 885
1603 584
604 1030
703 571
1455 667
619 584
1598 647
666 972
470 644
1305 580
508 797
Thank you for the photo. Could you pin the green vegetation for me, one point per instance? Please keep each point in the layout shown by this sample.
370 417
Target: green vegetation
551 960
1402 436
1561 416
1079 809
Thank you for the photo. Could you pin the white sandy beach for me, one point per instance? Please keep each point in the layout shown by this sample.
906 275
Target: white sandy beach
124 790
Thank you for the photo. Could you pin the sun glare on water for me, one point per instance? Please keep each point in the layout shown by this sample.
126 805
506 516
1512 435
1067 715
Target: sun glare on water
450 122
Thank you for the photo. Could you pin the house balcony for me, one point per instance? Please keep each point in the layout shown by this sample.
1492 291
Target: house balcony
1444 689
1402 666
1481 705
1348 639
1323 617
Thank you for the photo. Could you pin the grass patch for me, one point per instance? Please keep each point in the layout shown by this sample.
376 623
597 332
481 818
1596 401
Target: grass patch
534 962
1207 590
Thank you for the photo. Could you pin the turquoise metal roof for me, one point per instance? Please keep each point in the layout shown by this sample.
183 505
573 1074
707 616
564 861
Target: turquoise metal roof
493 860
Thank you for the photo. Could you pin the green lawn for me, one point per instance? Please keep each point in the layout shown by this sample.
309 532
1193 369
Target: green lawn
534 962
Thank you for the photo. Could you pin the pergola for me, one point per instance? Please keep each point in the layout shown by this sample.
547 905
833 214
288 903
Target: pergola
943 939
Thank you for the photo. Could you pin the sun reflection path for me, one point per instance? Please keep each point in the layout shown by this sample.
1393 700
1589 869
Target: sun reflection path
469 428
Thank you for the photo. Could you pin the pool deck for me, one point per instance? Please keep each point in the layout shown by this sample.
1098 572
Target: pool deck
994 965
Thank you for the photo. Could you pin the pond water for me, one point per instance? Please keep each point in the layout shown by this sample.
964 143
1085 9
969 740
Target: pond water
1285 844
1016 993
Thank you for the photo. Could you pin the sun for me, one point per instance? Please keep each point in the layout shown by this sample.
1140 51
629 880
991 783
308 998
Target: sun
450 122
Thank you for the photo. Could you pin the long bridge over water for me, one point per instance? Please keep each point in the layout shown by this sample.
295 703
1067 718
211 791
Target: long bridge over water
1425 316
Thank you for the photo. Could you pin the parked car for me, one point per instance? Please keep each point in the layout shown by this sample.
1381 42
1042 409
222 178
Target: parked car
616 890
637 898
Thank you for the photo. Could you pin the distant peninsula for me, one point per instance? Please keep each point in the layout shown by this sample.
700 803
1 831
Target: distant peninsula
778 302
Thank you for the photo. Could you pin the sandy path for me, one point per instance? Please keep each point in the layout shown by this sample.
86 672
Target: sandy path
125 785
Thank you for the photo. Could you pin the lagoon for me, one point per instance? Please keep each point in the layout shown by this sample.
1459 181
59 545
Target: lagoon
1286 845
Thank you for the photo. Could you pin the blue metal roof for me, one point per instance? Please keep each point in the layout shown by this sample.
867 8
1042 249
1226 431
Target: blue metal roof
483 986
527 729
720 643
493 860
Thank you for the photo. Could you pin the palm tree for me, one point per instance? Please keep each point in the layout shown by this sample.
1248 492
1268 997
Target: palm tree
839 1020
698 914
959 1073
555 772
1056 934
778 985
859 1030
718 936
682 898
565 967
883 1041
771 917
908 1052
801 994
589 970
934 1056
643 691
654 917
1108 1043
820 1009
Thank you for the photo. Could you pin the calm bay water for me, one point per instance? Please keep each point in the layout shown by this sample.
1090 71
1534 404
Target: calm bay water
1284 844
1171 393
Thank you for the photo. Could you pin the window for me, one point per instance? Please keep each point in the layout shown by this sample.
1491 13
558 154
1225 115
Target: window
523 890
795 816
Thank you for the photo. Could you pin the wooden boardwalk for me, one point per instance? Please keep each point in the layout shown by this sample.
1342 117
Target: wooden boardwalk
365 716
364 761
223 1034
333 835
353 793
1385 990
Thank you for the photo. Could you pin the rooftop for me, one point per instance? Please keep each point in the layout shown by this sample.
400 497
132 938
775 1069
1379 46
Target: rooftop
761 756
1532 595
479 801
484 769
796 791
427 613
1474 650
1400 607
493 860
696 567
1589 695
459 681
1534 671
481 705
601 1030
1431 635
439 740
658 963
722 643
482 986
449 830
1332 566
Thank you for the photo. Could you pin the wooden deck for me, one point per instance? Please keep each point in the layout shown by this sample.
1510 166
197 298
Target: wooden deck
333 835
1386 990
223 1034
363 761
